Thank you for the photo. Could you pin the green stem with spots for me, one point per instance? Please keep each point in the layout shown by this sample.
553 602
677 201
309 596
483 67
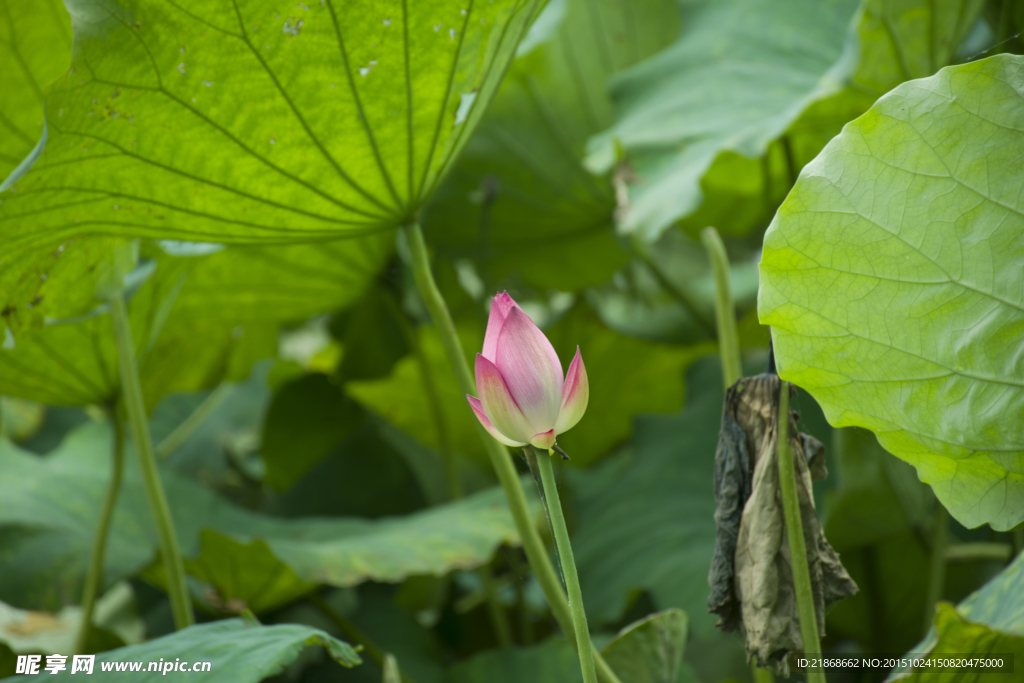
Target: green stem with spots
131 388
797 544
94 574
536 554
572 580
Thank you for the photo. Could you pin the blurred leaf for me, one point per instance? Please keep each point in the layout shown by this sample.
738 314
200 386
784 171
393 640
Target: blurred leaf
234 423
645 518
200 353
300 125
396 630
402 397
716 90
48 508
627 376
244 575
519 199
363 477
308 418
634 303
913 213
898 40
249 651
879 520
878 496
743 179
553 661
650 650
990 621
115 622
28 25
371 336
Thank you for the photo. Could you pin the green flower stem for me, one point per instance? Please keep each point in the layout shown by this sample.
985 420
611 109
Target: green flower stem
536 554
499 620
131 388
937 562
687 299
572 579
725 312
797 544
94 574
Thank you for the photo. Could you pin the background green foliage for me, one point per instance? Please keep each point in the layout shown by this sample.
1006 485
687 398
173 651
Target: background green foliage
323 471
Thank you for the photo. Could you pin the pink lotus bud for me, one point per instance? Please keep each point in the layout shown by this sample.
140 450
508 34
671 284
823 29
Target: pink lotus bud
523 398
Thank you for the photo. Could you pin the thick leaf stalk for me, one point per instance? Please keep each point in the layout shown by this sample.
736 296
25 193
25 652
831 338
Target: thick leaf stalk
94 574
553 505
725 312
797 544
131 388
536 554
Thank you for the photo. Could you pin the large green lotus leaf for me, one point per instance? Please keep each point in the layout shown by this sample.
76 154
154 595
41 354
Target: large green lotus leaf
738 76
627 376
35 48
259 120
248 651
891 279
49 506
988 622
283 282
519 199
645 518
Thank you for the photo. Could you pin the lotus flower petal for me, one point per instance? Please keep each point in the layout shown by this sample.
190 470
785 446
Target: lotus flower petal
575 395
544 440
531 370
498 404
500 306
478 410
